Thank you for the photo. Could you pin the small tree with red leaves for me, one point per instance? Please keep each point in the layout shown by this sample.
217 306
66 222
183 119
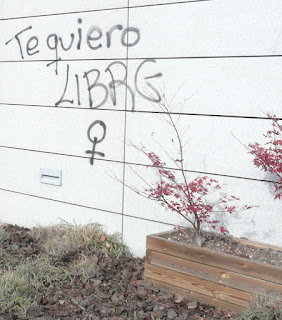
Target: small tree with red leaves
195 200
268 156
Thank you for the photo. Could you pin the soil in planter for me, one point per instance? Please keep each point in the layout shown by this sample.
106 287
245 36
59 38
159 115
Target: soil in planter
117 291
227 244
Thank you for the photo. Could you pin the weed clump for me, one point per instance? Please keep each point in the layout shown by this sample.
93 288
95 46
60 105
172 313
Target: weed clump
264 308
67 252
4 235
85 267
19 288
15 293
65 239
7 261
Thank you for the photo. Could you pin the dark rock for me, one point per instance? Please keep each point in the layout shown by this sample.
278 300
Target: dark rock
157 315
184 316
192 305
119 310
115 298
34 312
171 314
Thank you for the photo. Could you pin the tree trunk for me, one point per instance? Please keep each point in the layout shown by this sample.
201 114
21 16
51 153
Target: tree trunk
199 239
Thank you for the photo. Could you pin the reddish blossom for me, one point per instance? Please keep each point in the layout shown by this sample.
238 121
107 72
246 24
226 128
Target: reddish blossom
268 156
190 199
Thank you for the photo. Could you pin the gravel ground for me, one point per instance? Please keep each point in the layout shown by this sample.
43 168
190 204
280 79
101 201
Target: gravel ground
117 292
230 246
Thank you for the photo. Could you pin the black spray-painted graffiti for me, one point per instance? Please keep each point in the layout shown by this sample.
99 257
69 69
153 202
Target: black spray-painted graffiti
98 92
150 94
95 140
93 39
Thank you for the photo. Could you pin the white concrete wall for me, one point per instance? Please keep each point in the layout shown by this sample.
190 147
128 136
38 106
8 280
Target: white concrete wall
223 56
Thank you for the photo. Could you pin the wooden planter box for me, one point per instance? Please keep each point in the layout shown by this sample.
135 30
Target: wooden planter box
211 277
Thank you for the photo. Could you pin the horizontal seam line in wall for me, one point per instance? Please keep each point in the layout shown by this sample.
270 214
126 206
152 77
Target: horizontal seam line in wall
60 201
134 164
155 58
138 111
64 60
62 13
167 4
99 10
82 206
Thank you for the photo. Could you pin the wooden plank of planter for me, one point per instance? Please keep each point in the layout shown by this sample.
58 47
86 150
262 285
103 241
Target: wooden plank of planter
216 259
214 274
175 232
223 305
204 287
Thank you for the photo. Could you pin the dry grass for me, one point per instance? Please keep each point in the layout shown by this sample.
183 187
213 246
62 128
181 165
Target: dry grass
19 288
7 261
22 281
86 267
65 238
4 235
264 308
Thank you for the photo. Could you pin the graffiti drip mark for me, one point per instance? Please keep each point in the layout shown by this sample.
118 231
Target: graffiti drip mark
95 141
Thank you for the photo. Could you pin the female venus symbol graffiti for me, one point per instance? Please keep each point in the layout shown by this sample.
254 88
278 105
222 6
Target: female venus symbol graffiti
95 140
